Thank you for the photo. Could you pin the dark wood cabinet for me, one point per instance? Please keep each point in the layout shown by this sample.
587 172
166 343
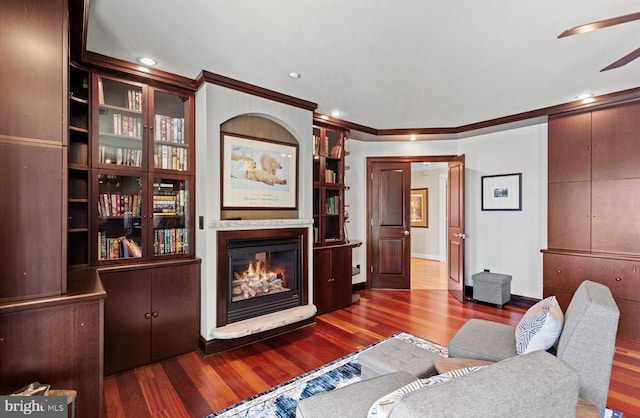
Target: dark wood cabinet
332 278
594 208
150 314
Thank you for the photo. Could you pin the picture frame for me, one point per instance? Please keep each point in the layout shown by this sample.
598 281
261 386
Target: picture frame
419 207
502 192
258 173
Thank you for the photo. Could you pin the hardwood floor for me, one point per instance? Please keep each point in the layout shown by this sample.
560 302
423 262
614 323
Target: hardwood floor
193 386
428 274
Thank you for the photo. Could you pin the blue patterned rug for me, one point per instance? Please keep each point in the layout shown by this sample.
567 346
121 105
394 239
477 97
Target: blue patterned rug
281 401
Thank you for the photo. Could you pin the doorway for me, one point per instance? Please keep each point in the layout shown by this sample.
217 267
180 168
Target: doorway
429 268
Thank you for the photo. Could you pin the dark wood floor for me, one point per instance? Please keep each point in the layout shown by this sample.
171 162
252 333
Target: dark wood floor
193 386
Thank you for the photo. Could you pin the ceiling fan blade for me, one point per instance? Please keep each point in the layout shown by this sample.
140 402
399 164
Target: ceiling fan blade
600 24
623 61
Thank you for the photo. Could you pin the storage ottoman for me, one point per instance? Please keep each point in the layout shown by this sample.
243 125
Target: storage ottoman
395 355
492 288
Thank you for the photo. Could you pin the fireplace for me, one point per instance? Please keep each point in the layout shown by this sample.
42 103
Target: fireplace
260 272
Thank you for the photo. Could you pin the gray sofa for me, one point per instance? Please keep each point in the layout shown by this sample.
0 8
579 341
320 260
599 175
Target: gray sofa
537 384
531 385
587 342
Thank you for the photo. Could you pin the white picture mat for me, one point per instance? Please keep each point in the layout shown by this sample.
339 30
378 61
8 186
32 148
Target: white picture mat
501 192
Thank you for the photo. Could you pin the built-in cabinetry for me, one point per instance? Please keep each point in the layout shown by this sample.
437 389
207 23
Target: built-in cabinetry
332 272
328 185
332 278
594 217
151 313
142 220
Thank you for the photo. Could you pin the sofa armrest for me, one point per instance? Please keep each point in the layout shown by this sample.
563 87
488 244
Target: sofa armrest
531 385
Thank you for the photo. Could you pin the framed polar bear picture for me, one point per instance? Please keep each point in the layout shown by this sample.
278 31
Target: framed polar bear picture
258 173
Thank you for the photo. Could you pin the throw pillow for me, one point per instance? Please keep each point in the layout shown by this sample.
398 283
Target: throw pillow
383 406
540 326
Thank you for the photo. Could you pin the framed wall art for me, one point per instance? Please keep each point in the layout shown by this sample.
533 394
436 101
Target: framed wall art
502 192
258 173
419 208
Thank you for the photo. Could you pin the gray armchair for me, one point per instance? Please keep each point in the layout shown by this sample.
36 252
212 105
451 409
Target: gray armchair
587 342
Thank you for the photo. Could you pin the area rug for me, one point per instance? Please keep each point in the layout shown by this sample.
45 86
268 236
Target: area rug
281 401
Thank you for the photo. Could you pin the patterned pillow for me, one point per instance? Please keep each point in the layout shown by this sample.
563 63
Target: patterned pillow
383 406
540 326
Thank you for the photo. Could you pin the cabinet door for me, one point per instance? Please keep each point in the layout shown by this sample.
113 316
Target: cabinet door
570 216
172 232
341 275
615 223
322 295
33 51
32 221
121 124
169 131
127 319
616 142
175 310
570 148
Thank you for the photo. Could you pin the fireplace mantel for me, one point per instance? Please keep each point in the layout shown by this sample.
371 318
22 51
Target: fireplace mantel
259 223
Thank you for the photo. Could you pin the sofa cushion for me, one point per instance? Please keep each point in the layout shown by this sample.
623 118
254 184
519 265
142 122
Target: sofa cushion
481 339
540 326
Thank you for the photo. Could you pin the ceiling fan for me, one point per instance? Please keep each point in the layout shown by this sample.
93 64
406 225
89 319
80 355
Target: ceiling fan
603 24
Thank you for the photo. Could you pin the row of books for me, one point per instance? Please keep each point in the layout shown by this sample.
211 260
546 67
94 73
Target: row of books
170 241
330 176
118 205
134 100
332 205
129 126
170 158
169 129
119 247
322 148
169 204
120 156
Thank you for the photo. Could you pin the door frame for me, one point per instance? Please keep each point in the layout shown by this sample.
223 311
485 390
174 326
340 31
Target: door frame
394 159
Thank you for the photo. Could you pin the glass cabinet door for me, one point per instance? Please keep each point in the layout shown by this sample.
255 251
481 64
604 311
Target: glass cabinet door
170 216
169 132
120 123
119 217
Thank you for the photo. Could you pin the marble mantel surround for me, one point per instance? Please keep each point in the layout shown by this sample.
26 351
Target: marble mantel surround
274 320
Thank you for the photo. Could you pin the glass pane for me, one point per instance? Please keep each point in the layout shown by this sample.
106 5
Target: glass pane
119 123
170 217
170 145
119 217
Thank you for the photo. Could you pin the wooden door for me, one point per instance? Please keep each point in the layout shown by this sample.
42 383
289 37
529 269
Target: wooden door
390 243
455 233
175 310
127 319
341 276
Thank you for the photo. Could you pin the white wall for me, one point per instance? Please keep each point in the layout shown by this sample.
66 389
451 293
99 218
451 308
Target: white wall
508 242
504 242
214 106
425 242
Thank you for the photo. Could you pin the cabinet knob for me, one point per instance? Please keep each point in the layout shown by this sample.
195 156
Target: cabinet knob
618 279
147 316
156 314
558 271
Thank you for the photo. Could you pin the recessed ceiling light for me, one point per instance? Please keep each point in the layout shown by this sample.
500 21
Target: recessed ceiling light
147 61
294 74
336 113
584 96
588 100
412 138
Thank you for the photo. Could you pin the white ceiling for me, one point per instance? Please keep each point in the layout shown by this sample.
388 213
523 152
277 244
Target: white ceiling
385 64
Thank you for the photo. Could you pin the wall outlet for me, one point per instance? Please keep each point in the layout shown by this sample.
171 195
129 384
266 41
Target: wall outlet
486 270
358 266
